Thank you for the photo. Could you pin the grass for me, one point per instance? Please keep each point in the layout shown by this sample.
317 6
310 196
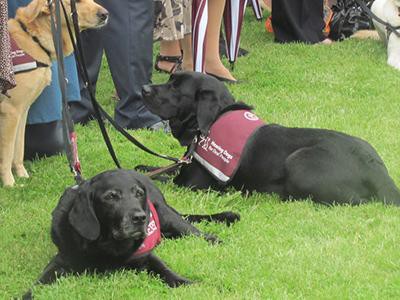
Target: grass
278 250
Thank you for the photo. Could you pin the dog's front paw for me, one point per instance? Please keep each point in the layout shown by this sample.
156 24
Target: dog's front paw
212 239
227 217
178 281
20 171
27 295
230 217
145 169
8 179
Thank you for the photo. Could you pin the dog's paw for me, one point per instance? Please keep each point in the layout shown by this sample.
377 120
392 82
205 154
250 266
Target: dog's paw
27 296
227 217
8 180
212 239
20 171
178 281
230 217
145 169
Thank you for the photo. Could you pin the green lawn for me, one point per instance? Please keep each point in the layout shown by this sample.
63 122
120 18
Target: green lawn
278 250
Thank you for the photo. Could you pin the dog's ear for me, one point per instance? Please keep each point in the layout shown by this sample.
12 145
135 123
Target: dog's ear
82 215
33 9
208 107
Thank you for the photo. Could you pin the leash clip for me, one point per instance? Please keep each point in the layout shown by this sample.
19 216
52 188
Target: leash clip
186 160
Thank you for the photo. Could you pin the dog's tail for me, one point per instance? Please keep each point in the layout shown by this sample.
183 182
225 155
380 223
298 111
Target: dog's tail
366 34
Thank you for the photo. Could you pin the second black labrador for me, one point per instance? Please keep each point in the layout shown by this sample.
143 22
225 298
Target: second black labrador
101 224
328 166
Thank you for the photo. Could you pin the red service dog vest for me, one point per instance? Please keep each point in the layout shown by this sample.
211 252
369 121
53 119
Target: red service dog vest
221 150
153 234
21 61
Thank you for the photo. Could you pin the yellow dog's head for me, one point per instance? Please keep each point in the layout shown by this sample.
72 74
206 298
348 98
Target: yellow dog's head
90 14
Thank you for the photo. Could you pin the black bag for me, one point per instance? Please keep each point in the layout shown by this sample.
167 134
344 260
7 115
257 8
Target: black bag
348 17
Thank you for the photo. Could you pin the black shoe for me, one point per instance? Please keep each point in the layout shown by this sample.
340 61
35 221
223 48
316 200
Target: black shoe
81 112
43 140
223 79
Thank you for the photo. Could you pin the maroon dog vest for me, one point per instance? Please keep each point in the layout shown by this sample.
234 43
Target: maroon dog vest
221 150
21 60
153 234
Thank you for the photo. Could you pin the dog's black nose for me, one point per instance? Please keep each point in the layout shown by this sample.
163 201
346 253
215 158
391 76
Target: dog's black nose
103 14
138 217
146 90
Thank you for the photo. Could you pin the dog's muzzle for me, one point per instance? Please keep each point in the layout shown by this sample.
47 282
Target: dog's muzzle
132 226
103 16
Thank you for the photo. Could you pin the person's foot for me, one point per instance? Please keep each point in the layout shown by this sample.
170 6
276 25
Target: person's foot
187 66
43 140
219 71
223 79
168 64
81 112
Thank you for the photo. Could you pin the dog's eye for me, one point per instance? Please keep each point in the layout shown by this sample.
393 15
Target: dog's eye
138 192
112 195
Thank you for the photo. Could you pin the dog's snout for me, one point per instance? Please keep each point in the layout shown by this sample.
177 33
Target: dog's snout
102 14
139 217
146 90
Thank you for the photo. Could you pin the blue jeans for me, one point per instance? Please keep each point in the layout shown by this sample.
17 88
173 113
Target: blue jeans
47 108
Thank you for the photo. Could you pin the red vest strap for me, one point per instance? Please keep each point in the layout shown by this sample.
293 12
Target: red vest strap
153 237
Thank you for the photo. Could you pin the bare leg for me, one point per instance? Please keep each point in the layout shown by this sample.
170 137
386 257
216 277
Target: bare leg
186 45
213 63
168 48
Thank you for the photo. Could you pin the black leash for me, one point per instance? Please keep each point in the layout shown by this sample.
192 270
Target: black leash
186 159
389 27
70 137
99 111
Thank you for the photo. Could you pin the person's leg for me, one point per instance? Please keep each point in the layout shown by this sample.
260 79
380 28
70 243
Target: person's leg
170 57
82 111
298 21
43 134
186 41
187 59
213 64
128 43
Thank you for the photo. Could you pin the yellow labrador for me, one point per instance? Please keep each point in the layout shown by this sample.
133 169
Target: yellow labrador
31 30
389 12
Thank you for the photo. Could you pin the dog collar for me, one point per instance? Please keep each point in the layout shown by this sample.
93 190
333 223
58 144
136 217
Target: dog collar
153 234
35 39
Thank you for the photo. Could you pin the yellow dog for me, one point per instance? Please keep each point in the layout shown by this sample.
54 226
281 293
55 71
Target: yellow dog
31 31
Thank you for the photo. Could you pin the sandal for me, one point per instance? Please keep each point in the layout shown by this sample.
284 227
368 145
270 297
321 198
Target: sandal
177 60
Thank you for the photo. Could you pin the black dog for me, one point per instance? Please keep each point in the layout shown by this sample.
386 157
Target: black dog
101 224
328 166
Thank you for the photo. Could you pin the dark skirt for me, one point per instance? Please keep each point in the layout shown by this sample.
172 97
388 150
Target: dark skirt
298 21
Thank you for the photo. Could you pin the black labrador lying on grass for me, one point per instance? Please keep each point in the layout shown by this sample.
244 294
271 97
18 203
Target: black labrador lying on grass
111 222
328 166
